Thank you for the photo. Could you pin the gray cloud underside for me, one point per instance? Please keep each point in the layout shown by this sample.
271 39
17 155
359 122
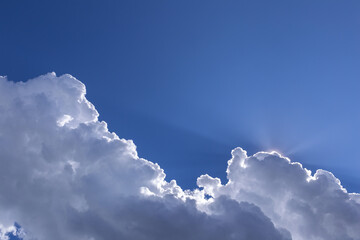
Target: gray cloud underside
63 175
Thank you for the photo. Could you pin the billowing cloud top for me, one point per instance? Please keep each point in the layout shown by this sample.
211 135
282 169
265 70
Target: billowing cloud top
63 175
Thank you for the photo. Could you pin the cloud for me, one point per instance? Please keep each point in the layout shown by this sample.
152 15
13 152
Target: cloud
309 206
63 175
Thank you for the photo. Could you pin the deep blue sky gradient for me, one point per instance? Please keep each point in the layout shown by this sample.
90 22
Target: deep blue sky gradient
190 80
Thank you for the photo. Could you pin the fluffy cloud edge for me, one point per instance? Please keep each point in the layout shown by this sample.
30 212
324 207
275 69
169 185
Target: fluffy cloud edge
267 186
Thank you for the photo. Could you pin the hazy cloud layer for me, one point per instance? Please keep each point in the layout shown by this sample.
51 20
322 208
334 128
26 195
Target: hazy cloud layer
63 175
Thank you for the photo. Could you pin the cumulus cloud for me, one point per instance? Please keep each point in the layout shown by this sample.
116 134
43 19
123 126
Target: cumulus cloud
309 206
63 175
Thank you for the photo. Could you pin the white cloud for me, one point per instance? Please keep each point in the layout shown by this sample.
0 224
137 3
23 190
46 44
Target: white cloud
63 175
309 206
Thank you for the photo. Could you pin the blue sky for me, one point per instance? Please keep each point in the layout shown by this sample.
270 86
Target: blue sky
190 80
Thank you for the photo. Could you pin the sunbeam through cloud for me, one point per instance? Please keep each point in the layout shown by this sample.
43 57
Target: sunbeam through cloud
65 176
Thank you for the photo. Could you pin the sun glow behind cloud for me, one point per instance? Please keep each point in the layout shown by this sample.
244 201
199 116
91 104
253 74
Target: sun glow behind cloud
65 176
